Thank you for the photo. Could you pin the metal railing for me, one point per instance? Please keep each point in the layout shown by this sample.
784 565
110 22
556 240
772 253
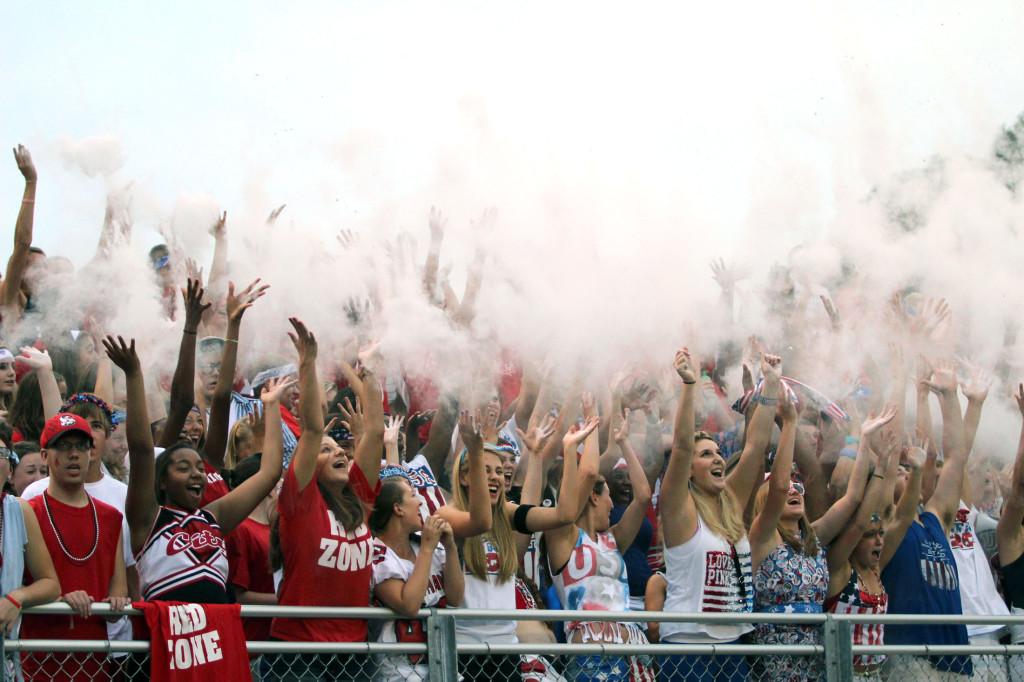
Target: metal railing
444 655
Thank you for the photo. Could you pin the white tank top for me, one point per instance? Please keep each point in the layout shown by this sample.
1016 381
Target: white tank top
706 574
487 594
978 594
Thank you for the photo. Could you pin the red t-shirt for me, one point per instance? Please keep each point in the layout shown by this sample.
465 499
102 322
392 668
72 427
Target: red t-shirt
324 565
249 569
195 642
79 533
216 487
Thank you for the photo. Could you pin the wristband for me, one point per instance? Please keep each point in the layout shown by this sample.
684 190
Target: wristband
874 475
766 401
234 341
689 383
189 332
14 601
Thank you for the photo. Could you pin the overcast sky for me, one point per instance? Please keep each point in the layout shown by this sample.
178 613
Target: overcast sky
362 114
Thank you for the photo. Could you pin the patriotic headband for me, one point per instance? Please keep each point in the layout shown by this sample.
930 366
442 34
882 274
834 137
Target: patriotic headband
273 373
814 397
6 355
392 471
93 399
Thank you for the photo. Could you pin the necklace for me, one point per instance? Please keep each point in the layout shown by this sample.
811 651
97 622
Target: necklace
60 538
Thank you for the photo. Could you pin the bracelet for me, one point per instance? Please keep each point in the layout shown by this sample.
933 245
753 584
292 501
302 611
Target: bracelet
689 383
234 341
14 601
766 401
189 332
874 475
28 201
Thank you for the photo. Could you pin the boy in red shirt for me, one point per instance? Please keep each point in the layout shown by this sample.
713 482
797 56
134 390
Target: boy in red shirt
83 536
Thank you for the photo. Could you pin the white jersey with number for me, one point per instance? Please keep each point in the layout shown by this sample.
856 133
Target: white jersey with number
387 565
978 594
706 574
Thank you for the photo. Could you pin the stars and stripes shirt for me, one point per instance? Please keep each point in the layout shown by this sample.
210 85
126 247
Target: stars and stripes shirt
857 600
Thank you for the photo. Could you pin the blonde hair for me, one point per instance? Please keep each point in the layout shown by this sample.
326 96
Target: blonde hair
721 513
500 534
806 542
231 455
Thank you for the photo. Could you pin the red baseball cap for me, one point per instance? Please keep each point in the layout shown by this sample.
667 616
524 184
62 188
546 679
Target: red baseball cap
62 424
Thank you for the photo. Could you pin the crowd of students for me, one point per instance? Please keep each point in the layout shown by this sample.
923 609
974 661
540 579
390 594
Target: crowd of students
650 490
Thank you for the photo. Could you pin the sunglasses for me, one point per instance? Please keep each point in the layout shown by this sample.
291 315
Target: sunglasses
796 487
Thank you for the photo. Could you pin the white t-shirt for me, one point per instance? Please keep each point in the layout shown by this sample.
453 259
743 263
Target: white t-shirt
387 565
978 594
488 594
111 491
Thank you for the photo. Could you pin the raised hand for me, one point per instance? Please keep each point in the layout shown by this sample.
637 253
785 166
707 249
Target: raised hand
489 424
786 409
469 431
622 433
977 385
237 304
577 434
943 379
771 366
437 223
194 306
352 417
219 229
122 354
539 435
348 239
303 340
275 389
392 428
588 404
723 275
685 366
24 160
34 359
874 422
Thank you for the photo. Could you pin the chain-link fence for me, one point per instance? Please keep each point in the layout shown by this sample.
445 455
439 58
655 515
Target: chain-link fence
827 652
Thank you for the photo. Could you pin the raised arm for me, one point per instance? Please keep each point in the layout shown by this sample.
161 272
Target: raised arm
219 266
311 414
744 479
18 262
976 391
466 523
567 506
633 517
560 536
232 509
220 406
763 533
40 362
871 509
534 466
1009 534
183 395
371 445
946 499
836 518
677 510
140 504
392 428
815 483
906 509
436 223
